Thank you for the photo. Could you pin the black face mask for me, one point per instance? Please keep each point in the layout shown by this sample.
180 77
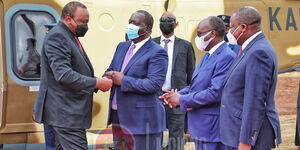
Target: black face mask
81 30
166 27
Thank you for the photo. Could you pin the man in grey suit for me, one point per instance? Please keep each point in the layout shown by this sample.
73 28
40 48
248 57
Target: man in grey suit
180 70
64 101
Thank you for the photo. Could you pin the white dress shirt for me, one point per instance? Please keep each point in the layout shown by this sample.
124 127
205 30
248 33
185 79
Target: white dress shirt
250 39
167 84
213 49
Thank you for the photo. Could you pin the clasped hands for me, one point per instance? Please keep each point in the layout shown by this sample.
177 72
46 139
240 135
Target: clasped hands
170 98
109 78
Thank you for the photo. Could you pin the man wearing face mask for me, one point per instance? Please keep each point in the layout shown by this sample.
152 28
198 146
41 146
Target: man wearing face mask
201 99
226 21
249 119
138 70
64 101
180 70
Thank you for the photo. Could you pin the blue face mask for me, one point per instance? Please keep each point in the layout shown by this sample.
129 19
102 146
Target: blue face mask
132 31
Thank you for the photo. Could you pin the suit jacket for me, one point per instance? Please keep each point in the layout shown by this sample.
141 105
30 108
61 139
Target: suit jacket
203 95
139 108
248 105
183 65
67 82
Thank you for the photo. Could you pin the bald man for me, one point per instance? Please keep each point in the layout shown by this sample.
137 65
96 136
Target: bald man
180 69
249 119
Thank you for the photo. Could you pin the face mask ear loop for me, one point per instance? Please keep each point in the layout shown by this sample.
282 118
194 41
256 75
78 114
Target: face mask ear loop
239 36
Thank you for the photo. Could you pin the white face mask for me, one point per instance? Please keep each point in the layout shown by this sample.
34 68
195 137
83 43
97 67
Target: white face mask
200 43
231 39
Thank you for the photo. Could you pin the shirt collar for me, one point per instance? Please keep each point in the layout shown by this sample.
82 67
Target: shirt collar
213 49
141 43
244 45
172 38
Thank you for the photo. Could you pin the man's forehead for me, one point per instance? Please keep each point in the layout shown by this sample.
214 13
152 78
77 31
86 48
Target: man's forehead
168 14
80 12
203 25
137 15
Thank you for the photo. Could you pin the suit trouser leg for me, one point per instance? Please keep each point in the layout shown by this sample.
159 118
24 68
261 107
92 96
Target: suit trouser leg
49 137
200 145
147 142
175 124
70 139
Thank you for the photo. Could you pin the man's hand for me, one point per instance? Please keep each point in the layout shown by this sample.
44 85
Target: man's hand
33 116
117 77
109 74
165 96
104 84
243 146
173 99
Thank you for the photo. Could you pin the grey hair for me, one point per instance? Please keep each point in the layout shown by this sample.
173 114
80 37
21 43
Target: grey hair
248 15
217 24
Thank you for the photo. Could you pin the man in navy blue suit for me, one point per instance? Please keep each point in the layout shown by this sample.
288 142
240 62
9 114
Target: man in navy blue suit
249 119
201 99
138 71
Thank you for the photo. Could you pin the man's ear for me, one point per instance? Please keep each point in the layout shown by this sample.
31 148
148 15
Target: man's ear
244 28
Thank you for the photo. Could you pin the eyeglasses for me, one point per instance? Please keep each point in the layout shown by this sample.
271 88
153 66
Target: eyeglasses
167 19
201 33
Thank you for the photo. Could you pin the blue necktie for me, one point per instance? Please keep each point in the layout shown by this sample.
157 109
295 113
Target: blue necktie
205 58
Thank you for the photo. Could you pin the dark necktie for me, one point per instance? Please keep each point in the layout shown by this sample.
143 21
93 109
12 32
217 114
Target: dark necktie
79 44
166 44
205 58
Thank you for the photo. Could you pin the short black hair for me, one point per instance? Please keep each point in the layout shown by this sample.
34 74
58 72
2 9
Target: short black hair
217 24
71 8
148 18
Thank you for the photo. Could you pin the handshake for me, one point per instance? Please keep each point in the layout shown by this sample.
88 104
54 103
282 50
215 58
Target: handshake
111 77
170 98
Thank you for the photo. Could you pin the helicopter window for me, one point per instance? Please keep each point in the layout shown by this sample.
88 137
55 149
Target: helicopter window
27 38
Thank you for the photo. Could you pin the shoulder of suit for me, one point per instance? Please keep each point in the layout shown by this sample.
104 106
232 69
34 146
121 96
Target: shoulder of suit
182 41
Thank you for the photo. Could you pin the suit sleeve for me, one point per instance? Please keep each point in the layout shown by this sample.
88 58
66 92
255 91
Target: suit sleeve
157 69
259 72
210 95
184 90
190 63
60 57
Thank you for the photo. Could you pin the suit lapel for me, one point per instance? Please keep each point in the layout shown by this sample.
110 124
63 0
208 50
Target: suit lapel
211 59
84 55
176 49
240 58
138 54
122 53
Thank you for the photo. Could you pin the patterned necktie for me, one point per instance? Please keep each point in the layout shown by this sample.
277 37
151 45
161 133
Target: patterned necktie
205 58
166 44
127 58
240 52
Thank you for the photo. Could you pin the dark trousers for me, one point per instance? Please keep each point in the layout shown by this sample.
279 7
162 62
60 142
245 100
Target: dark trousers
175 125
70 139
233 148
200 145
123 139
49 137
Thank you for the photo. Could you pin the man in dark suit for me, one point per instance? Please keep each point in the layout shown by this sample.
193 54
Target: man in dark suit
180 70
201 99
64 101
138 70
249 119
